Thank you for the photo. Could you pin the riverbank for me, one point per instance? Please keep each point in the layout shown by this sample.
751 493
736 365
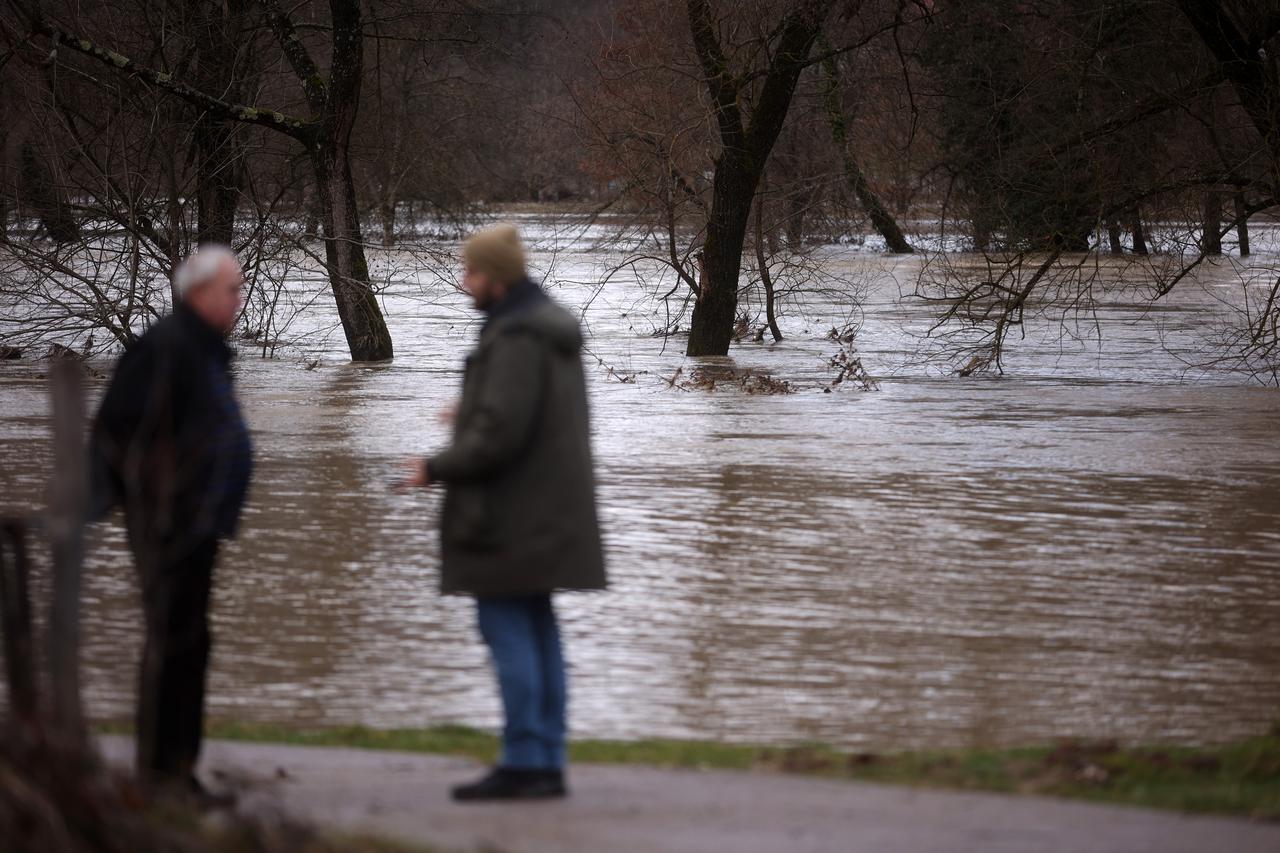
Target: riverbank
1241 778
633 808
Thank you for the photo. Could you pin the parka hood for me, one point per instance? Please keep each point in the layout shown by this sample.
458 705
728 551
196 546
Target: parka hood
547 319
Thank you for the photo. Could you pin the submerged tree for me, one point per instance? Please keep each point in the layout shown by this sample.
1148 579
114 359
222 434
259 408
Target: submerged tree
46 196
730 151
1008 90
745 142
881 219
1174 106
325 136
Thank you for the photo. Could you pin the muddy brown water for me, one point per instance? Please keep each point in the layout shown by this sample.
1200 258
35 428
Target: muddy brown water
1089 546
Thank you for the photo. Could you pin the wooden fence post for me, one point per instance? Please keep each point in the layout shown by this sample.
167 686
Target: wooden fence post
67 508
15 621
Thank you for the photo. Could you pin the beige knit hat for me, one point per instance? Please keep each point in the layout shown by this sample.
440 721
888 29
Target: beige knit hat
497 253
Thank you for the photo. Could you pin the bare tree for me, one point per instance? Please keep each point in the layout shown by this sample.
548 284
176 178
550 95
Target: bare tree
745 143
1166 132
325 136
881 219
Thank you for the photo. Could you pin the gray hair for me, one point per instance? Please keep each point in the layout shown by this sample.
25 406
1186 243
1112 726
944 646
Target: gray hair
201 266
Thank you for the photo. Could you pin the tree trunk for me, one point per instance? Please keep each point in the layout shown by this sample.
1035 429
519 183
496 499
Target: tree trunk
217 184
44 195
367 336
794 229
766 278
714 312
335 105
1075 240
981 233
310 214
881 219
218 148
744 151
362 321
1138 232
1242 225
1211 238
387 213
1114 237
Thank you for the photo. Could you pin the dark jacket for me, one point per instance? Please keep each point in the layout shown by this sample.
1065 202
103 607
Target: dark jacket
169 442
519 510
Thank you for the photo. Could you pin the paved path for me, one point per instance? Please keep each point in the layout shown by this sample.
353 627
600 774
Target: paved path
629 808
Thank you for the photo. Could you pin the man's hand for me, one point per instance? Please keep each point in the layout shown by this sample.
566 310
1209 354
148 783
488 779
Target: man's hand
415 475
448 414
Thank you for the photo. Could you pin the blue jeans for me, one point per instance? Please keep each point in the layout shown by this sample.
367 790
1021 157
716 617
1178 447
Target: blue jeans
524 640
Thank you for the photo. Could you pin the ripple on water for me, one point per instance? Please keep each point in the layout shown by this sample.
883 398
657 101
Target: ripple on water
1088 547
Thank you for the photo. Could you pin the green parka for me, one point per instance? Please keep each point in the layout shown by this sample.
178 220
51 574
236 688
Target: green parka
519 510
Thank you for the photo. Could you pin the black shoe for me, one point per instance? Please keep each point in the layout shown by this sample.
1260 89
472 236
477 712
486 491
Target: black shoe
555 780
510 783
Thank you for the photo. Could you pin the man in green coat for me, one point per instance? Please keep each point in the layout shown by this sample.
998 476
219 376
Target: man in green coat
519 519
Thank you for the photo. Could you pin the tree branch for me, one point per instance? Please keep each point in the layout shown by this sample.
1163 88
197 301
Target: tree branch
720 83
801 27
272 119
300 60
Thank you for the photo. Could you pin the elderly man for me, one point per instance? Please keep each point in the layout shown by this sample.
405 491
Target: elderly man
170 446
519 517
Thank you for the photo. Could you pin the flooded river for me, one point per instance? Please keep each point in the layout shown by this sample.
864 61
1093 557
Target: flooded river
1088 546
